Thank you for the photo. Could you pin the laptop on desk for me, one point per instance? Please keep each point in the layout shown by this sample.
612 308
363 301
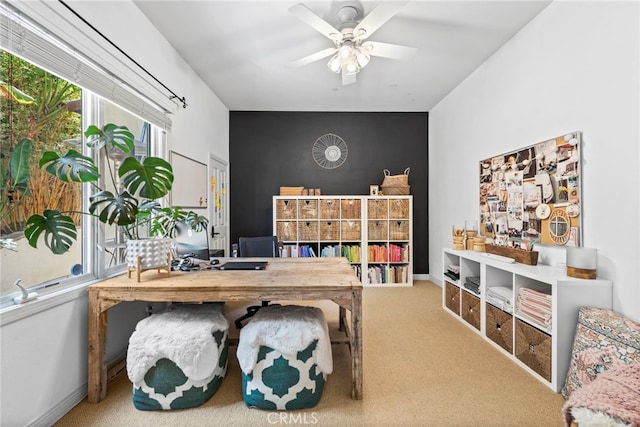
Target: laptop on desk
243 265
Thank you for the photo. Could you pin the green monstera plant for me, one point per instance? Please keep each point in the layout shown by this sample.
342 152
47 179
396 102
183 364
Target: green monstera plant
14 179
131 206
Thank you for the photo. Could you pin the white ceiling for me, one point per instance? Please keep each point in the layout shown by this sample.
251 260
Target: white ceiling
243 50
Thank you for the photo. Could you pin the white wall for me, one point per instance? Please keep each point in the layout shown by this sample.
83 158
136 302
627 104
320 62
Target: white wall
44 356
574 67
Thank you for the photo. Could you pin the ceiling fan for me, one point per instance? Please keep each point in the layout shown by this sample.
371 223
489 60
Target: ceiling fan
352 51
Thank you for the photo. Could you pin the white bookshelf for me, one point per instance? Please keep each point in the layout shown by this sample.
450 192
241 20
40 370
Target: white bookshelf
374 232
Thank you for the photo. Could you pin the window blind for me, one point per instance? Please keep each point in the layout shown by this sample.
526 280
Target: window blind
101 72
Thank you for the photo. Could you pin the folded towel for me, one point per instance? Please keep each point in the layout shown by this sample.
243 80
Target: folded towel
473 279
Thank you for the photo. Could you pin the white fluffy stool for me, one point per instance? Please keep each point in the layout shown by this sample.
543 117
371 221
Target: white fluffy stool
177 359
285 355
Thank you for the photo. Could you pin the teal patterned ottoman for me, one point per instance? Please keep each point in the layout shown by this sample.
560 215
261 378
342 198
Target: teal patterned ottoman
177 359
285 355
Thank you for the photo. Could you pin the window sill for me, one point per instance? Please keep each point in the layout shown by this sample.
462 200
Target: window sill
16 312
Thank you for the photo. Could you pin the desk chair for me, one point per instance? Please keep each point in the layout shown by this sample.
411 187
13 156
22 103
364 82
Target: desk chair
262 246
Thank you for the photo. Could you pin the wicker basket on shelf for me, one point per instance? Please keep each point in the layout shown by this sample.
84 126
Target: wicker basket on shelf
393 185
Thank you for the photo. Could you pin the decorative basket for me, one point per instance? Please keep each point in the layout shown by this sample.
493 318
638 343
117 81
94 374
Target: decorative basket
395 191
286 208
395 184
377 209
398 230
287 230
330 230
350 208
378 230
329 208
350 230
308 208
398 209
308 230
533 347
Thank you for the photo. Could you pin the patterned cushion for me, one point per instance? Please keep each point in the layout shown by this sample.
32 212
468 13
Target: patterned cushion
277 382
165 386
604 339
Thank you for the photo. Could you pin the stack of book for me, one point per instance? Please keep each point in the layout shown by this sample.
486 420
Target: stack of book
399 253
295 251
351 252
377 253
388 274
330 251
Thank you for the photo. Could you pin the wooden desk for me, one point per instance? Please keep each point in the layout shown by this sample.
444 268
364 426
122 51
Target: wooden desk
284 279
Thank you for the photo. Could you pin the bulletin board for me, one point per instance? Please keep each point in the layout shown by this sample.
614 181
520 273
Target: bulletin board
534 193
190 182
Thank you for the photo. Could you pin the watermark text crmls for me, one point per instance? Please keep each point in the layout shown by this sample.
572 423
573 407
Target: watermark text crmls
289 418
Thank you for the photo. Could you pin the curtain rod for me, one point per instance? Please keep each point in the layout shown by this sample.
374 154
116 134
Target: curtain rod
173 94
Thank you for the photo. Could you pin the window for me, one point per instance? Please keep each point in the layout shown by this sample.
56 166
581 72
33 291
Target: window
45 110
52 113
56 78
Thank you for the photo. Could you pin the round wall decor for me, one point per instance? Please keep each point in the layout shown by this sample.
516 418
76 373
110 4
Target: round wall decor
559 226
329 151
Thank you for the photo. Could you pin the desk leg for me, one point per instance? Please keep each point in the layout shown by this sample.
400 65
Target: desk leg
97 377
356 346
342 315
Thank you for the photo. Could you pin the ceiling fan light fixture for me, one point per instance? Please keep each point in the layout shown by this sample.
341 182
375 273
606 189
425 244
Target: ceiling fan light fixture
346 50
351 66
362 58
334 64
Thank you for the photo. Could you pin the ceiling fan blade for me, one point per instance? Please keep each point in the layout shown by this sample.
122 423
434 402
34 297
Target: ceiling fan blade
314 57
377 17
388 50
310 18
347 79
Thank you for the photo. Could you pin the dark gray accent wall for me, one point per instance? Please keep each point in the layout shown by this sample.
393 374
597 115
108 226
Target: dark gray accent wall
269 150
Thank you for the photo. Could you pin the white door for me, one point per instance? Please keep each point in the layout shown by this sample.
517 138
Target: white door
219 206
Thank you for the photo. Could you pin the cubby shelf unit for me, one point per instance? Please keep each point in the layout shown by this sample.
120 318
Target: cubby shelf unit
541 348
375 233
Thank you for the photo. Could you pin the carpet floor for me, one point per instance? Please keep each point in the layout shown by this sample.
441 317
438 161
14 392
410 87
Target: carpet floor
422 367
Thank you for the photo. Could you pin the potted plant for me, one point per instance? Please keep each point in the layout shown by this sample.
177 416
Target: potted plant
132 206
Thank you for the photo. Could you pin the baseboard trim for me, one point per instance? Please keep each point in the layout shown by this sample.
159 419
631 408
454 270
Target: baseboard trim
421 277
68 403
50 417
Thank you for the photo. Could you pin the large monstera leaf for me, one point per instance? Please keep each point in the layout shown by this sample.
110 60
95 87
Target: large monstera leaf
120 209
110 135
71 166
19 165
151 179
59 231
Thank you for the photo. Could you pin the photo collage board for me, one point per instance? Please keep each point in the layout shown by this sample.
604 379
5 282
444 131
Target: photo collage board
533 193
